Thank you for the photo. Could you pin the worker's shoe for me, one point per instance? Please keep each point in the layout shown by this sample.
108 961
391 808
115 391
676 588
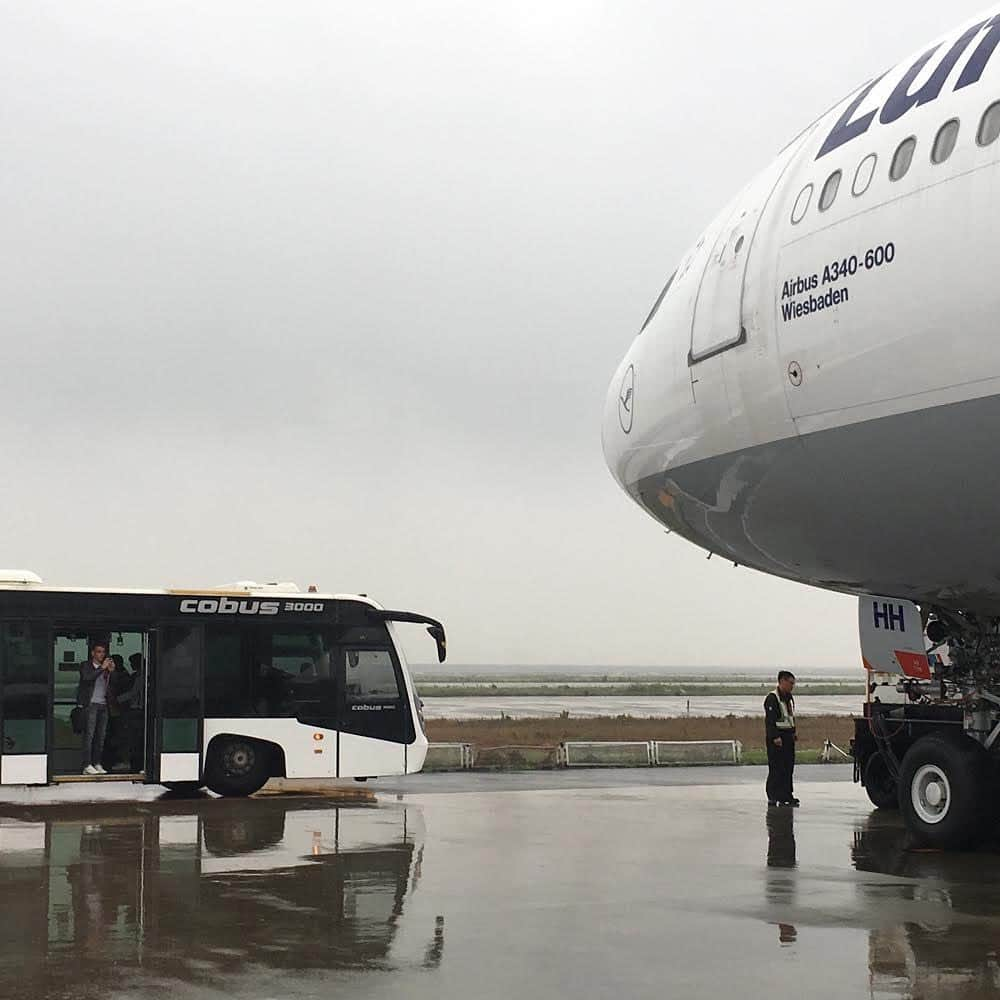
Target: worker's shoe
771 803
794 803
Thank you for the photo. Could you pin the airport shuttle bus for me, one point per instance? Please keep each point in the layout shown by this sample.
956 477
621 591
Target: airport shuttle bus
229 686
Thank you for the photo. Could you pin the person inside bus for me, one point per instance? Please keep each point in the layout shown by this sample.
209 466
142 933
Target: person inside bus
115 755
132 704
92 697
273 693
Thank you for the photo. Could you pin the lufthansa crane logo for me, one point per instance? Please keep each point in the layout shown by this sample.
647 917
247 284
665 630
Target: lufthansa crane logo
626 399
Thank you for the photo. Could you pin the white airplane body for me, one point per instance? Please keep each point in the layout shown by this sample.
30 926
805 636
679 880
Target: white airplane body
817 392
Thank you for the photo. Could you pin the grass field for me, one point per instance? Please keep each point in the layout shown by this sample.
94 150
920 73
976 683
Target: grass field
812 731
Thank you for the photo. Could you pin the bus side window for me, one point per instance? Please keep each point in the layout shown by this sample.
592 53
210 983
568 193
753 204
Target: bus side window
370 674
227 677
24 681
293 665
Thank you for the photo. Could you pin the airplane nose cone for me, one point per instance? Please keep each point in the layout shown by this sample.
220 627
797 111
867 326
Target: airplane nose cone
619 417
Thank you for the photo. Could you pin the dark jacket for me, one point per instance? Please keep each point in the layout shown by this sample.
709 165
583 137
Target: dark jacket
119 683
772 715
88 677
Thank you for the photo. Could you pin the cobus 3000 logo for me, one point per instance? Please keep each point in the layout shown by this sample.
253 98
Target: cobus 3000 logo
229 606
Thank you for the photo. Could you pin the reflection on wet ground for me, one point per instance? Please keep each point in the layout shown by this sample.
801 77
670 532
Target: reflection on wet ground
203 894
941 929
632 889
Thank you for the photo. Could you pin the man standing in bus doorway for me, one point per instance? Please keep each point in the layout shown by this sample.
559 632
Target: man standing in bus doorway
92 697
779 727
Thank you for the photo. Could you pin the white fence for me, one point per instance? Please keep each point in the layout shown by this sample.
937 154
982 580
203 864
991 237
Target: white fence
651 753
593 753
665 752
605 753
449 756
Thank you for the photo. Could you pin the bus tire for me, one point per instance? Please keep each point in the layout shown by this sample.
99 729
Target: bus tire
881 786
237 765
183 787
943 790
228 833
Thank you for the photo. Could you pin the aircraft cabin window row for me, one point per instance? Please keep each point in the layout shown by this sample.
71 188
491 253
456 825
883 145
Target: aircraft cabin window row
944 145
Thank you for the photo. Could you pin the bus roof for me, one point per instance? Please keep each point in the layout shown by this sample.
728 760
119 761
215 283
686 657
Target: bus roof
25 580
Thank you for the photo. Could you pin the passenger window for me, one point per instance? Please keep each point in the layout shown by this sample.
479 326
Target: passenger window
292 666
301 655
902 159
829 192
227 678
25 651
989 127
801 205
944 141
864 174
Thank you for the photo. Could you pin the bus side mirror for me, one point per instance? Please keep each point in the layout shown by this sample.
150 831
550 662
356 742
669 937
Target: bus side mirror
437 634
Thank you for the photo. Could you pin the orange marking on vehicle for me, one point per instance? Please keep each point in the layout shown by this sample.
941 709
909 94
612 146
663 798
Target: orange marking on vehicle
914 664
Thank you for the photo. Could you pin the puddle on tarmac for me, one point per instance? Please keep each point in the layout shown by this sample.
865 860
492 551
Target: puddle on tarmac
687 891
96 899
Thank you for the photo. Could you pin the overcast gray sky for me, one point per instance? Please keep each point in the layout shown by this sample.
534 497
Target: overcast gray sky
333 292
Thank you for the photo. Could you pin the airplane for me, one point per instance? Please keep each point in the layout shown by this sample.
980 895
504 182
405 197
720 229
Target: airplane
815 394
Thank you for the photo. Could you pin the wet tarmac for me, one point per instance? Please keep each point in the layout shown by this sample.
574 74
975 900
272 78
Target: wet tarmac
459 886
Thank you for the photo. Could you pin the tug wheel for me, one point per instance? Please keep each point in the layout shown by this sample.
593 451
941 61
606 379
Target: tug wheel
881 786
943 790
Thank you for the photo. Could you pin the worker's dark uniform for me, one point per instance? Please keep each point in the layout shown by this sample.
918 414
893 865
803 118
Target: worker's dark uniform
780 759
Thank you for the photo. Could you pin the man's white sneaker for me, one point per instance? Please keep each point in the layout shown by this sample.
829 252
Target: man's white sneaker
90 769
100 770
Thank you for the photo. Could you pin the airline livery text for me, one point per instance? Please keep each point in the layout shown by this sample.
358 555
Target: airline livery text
859 115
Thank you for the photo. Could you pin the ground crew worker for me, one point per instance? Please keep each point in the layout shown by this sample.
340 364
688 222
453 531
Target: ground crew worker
779 726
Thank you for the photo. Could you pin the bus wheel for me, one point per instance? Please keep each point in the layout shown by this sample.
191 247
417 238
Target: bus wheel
943 790
880 785
237 766
183 787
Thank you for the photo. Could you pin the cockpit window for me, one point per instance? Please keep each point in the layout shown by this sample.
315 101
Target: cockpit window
659 300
